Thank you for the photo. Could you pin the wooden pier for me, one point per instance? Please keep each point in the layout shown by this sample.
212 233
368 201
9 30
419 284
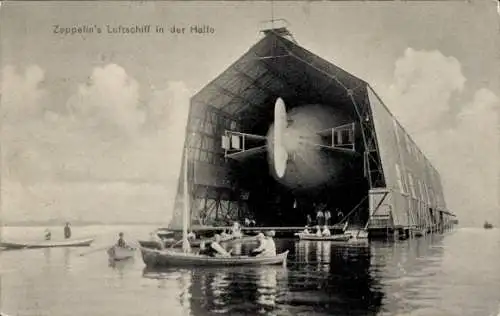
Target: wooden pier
280 230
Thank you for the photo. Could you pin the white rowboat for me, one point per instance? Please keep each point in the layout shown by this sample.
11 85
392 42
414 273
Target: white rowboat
116 253
47 244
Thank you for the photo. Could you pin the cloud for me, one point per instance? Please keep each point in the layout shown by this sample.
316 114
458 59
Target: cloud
460 138
110 134
110 98
424 83
21 93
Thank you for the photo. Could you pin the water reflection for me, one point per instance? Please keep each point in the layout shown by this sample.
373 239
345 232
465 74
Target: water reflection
320 277
238 290
185 282
404 269
47 255
66 254
338 278
426 276
120 265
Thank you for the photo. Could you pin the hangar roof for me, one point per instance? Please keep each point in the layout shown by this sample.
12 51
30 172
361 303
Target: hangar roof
278 67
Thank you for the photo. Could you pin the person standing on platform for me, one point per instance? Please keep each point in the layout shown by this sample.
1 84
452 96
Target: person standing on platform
340 215
320 218
309 221
48 234
67 231
328 216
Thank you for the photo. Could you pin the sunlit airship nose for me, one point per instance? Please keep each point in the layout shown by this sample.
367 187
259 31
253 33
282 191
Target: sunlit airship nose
280 154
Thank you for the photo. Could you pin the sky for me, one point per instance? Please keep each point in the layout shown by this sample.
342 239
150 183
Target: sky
93 124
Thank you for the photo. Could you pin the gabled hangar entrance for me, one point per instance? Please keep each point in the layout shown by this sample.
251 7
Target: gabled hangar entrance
319 96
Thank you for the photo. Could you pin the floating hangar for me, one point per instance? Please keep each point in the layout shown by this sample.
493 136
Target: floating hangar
363 164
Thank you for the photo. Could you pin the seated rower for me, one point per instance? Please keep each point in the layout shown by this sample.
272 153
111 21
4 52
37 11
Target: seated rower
236 230
262 243
191 236
318 231
271 245
214 248
267 246
326 231
121 242
306 230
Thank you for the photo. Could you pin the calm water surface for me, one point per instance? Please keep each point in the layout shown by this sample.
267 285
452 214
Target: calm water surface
453 274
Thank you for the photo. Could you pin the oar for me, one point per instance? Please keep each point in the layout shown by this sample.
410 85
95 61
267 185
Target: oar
93 250
175 244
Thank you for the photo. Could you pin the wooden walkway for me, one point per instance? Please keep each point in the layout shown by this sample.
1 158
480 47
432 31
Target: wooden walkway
197 228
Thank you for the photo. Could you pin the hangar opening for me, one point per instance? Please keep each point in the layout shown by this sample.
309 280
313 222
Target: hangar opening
335 161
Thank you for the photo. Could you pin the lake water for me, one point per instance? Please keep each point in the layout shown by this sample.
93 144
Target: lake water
457 273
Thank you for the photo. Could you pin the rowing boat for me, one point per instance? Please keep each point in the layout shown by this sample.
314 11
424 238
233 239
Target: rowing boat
116 253
167 258
47 244
339 237
153 244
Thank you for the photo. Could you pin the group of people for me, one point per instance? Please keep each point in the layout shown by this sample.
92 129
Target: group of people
266 248
214 248
323 217
232 233
67 232
325 232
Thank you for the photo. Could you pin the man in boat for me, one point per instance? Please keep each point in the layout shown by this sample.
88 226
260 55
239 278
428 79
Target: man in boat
48 234
267 246
318 231
340 215
214 249
224 235
121 241
67 231
326 231
236 230
261 238
191 236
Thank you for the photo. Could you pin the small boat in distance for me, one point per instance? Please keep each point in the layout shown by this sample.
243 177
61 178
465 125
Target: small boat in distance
166 236
116 253
348 235
487 225
336 237
47 244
